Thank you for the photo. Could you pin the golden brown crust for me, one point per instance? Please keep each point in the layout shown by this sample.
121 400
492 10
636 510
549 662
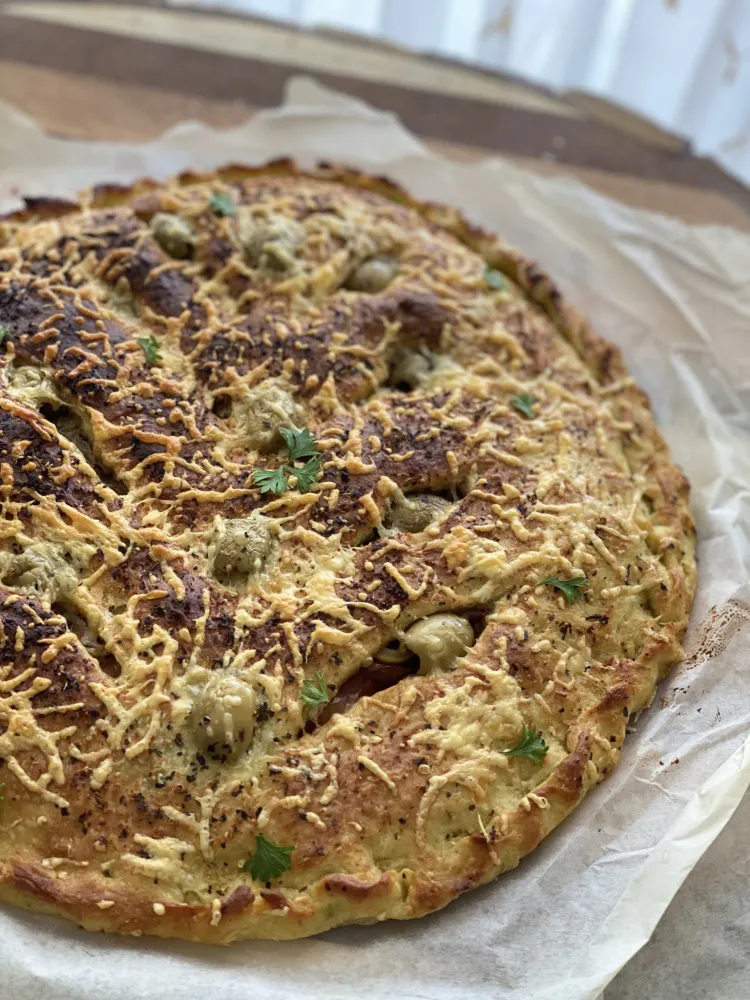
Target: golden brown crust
160 615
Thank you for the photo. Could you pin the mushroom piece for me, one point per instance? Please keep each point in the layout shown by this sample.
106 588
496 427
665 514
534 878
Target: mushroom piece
414 513
224 712
265 410
240 547
373 275
173 235
271 243
439 641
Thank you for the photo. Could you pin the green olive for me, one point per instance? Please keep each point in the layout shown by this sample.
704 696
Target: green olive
173 235
439 641
373 275
394 651
224 712
410 367
272 243
414 513
240 546
41 571
34 386
265 411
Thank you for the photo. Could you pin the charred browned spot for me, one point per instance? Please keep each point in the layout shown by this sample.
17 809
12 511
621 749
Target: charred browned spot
526 666
72 428
106 195
214 254
42 208
422 317
83 359
36 476
616 697
146 205
464 883
354 888
566 781
31 880
429 894
140 569
276 900
240 899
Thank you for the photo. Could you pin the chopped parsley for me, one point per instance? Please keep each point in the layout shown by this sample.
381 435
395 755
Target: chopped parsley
529 745
222 204
150 346
300 444
3 331
494 279
269 860
524 404
572 588
315 693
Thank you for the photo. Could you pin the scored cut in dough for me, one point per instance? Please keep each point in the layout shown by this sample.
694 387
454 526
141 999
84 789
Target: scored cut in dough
195 674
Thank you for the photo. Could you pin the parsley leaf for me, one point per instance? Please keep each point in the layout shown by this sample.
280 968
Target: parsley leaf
572 588
271 480
301 444
529 745
269 860
494 279
315 693
524 404
222 204
3 331
307 475
150 347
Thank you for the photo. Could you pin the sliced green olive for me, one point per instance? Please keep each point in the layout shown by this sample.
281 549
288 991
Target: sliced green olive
439 641
173 235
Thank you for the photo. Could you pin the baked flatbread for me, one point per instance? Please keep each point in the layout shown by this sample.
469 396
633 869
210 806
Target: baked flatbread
336 553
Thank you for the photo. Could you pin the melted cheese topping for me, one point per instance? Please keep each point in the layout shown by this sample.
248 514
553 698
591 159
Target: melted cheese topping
170 633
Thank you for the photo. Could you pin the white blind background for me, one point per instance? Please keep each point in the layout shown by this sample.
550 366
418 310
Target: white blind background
685 64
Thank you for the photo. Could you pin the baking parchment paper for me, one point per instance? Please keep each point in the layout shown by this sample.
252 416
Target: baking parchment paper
677 300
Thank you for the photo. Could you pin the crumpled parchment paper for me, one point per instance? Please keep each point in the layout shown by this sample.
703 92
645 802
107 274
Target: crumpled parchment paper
677 300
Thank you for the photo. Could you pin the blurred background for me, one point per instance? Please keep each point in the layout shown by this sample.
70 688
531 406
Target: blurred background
647 101
681 63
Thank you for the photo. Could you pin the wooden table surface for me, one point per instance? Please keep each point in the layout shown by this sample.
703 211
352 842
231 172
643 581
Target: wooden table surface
128 70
